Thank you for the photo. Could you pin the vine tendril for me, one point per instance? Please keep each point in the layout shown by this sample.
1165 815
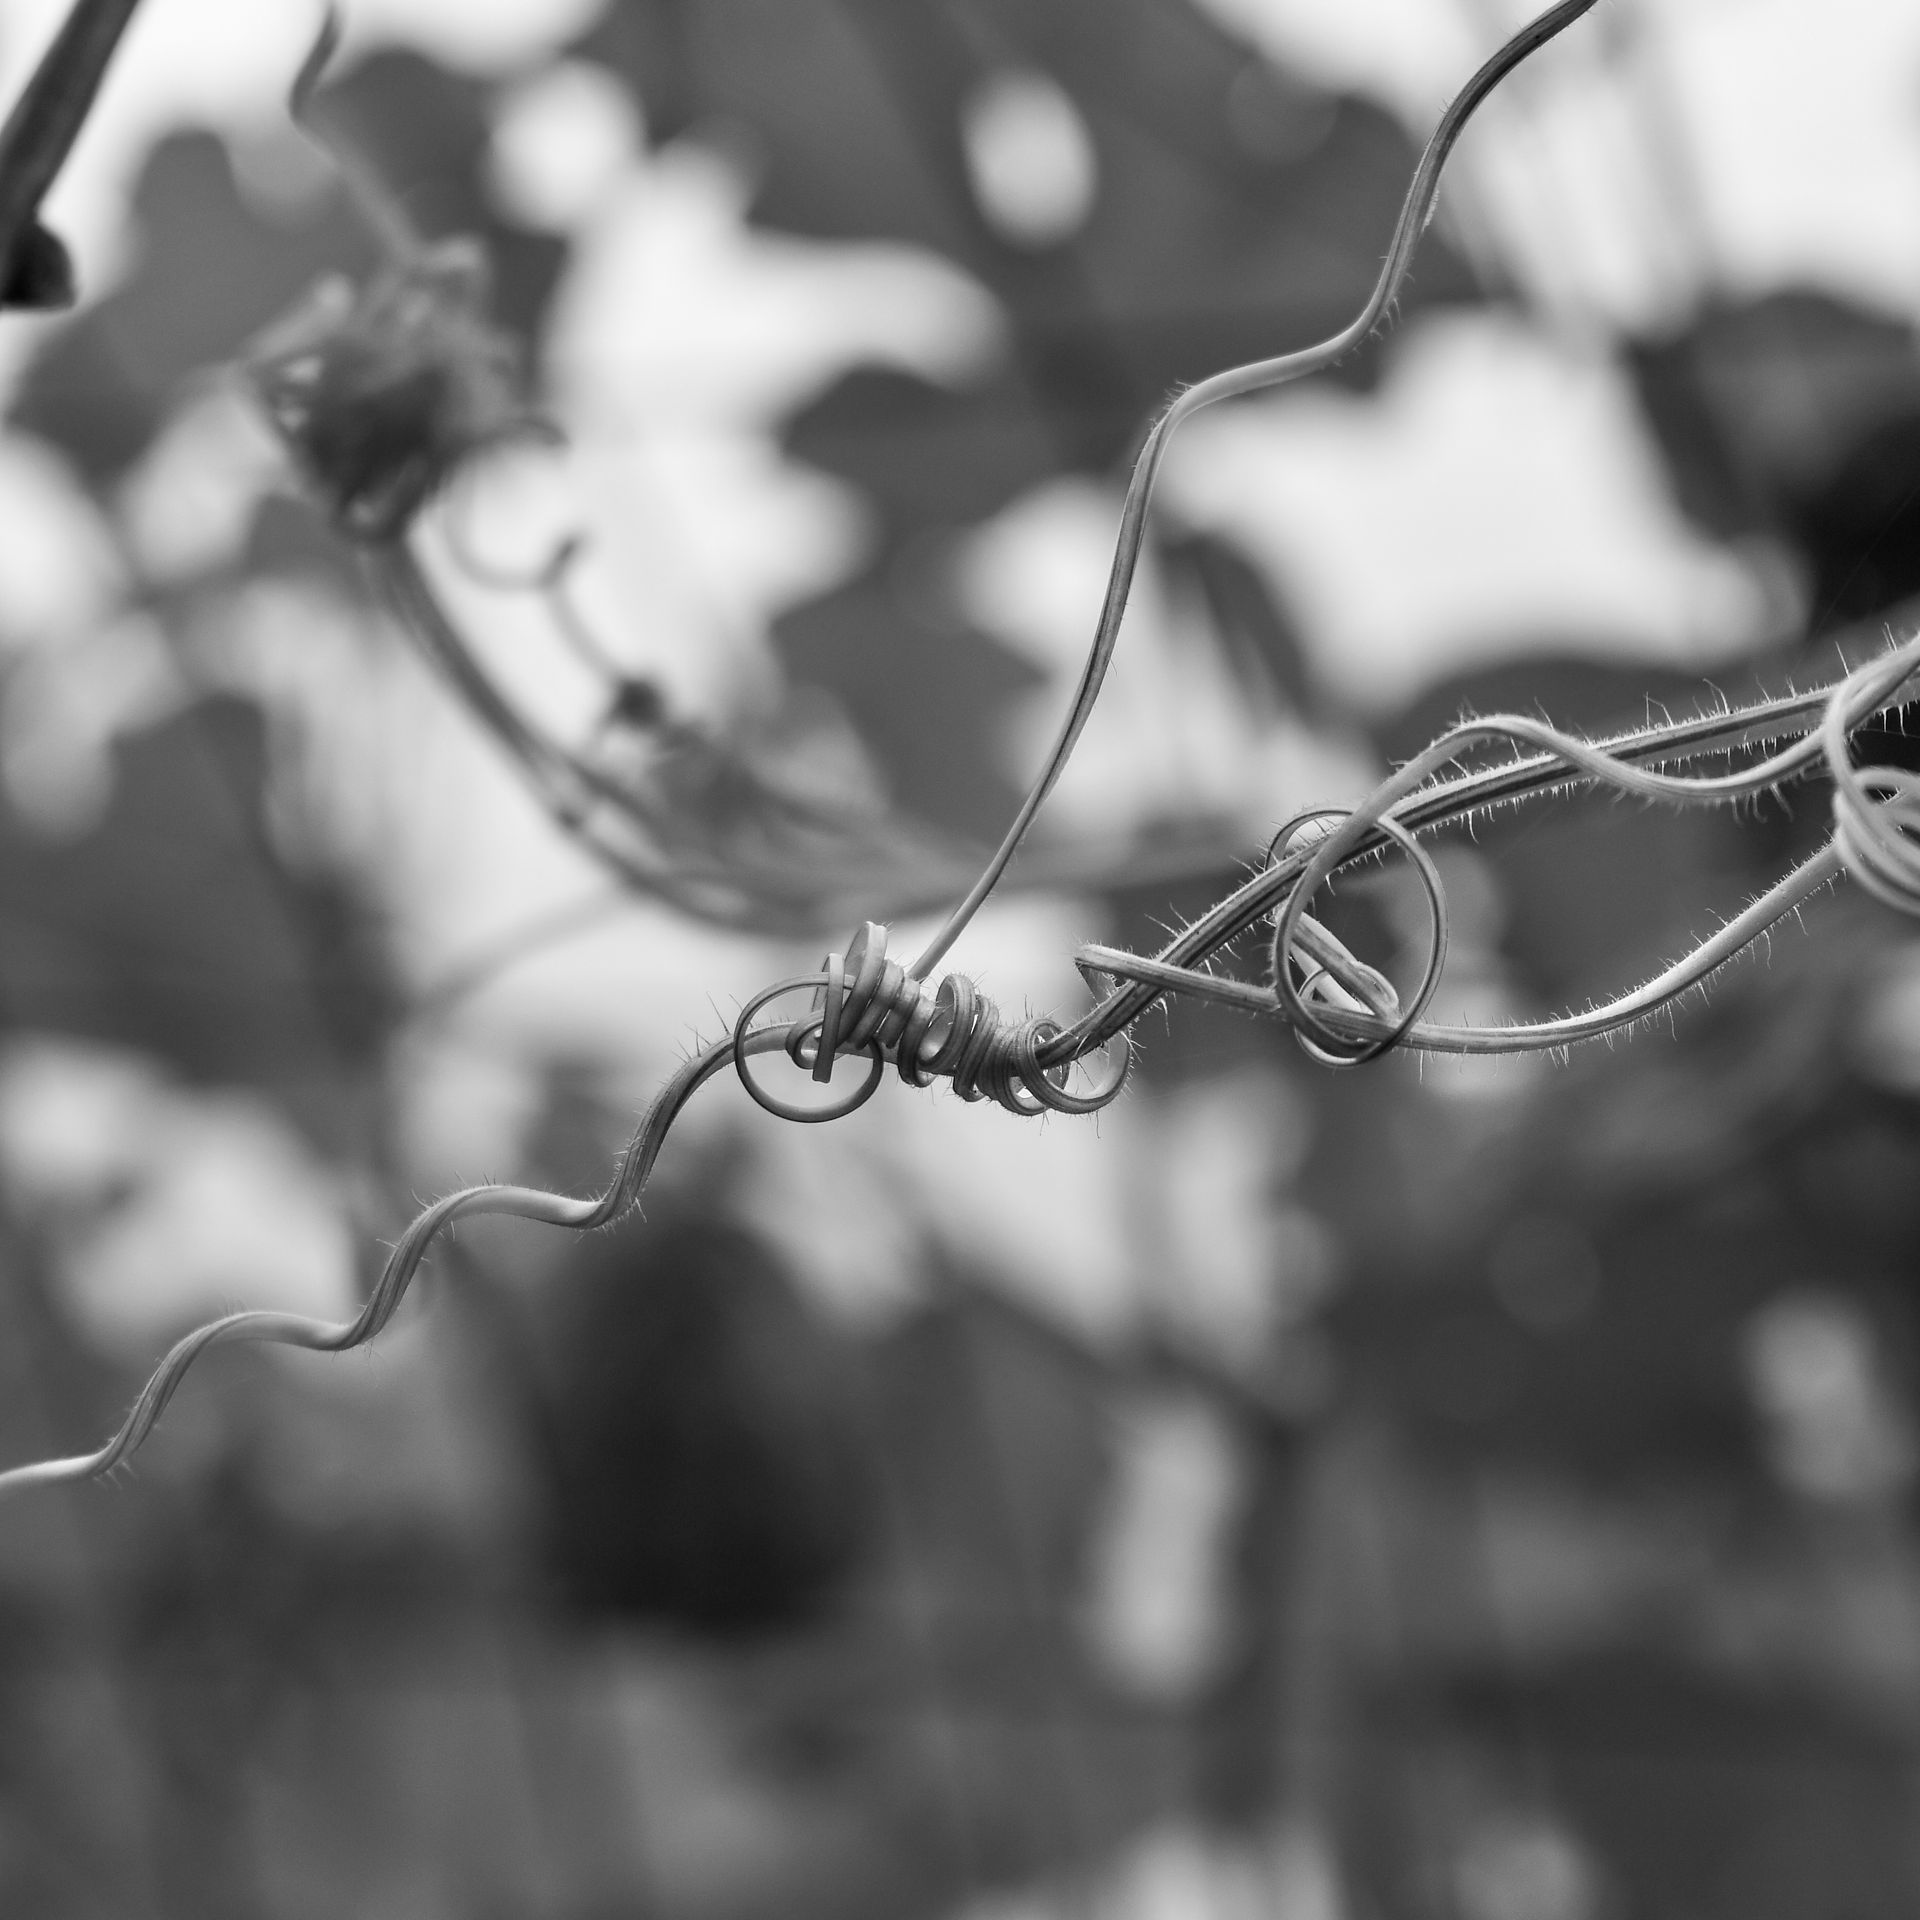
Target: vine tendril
861 1002
1415 211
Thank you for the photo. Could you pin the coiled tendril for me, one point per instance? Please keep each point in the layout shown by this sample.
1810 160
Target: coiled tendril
865 1003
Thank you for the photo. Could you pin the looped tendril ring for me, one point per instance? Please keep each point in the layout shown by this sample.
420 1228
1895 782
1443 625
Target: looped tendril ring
1320 985
864 1002
1876 815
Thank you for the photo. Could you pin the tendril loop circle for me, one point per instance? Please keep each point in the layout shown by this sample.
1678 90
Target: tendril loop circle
1318 1037
793 1043
1049 1086
864 1002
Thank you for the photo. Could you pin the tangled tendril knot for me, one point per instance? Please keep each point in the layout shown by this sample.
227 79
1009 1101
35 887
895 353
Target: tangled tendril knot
863 1002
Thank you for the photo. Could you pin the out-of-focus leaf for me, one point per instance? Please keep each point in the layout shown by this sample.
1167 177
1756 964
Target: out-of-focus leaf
929 696
925 456
1794 415
993 1442
1861 529
704 1455
1203 245
1631 1217
174 928
1201 250
1690 1796
1257 632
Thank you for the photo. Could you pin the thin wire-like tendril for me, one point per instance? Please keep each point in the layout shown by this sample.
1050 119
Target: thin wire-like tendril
1255 377
337 1336
866 1003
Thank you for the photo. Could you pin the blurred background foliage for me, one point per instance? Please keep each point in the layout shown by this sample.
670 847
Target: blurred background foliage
1478 1493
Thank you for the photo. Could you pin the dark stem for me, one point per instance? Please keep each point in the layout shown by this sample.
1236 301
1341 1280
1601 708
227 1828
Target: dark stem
47 118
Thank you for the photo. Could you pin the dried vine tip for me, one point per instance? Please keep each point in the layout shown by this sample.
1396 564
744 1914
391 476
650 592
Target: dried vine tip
383 393
1256 376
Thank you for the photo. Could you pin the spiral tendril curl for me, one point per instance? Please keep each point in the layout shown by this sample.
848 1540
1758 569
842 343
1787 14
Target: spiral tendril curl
863 1003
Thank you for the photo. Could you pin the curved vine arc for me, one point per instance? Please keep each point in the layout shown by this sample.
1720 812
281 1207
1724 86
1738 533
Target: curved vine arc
1416 209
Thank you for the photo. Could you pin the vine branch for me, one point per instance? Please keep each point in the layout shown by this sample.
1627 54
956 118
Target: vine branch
332 390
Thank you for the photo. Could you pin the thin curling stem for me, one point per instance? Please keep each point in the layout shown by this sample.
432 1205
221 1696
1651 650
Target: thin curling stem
337 1336
378 211
1256 376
